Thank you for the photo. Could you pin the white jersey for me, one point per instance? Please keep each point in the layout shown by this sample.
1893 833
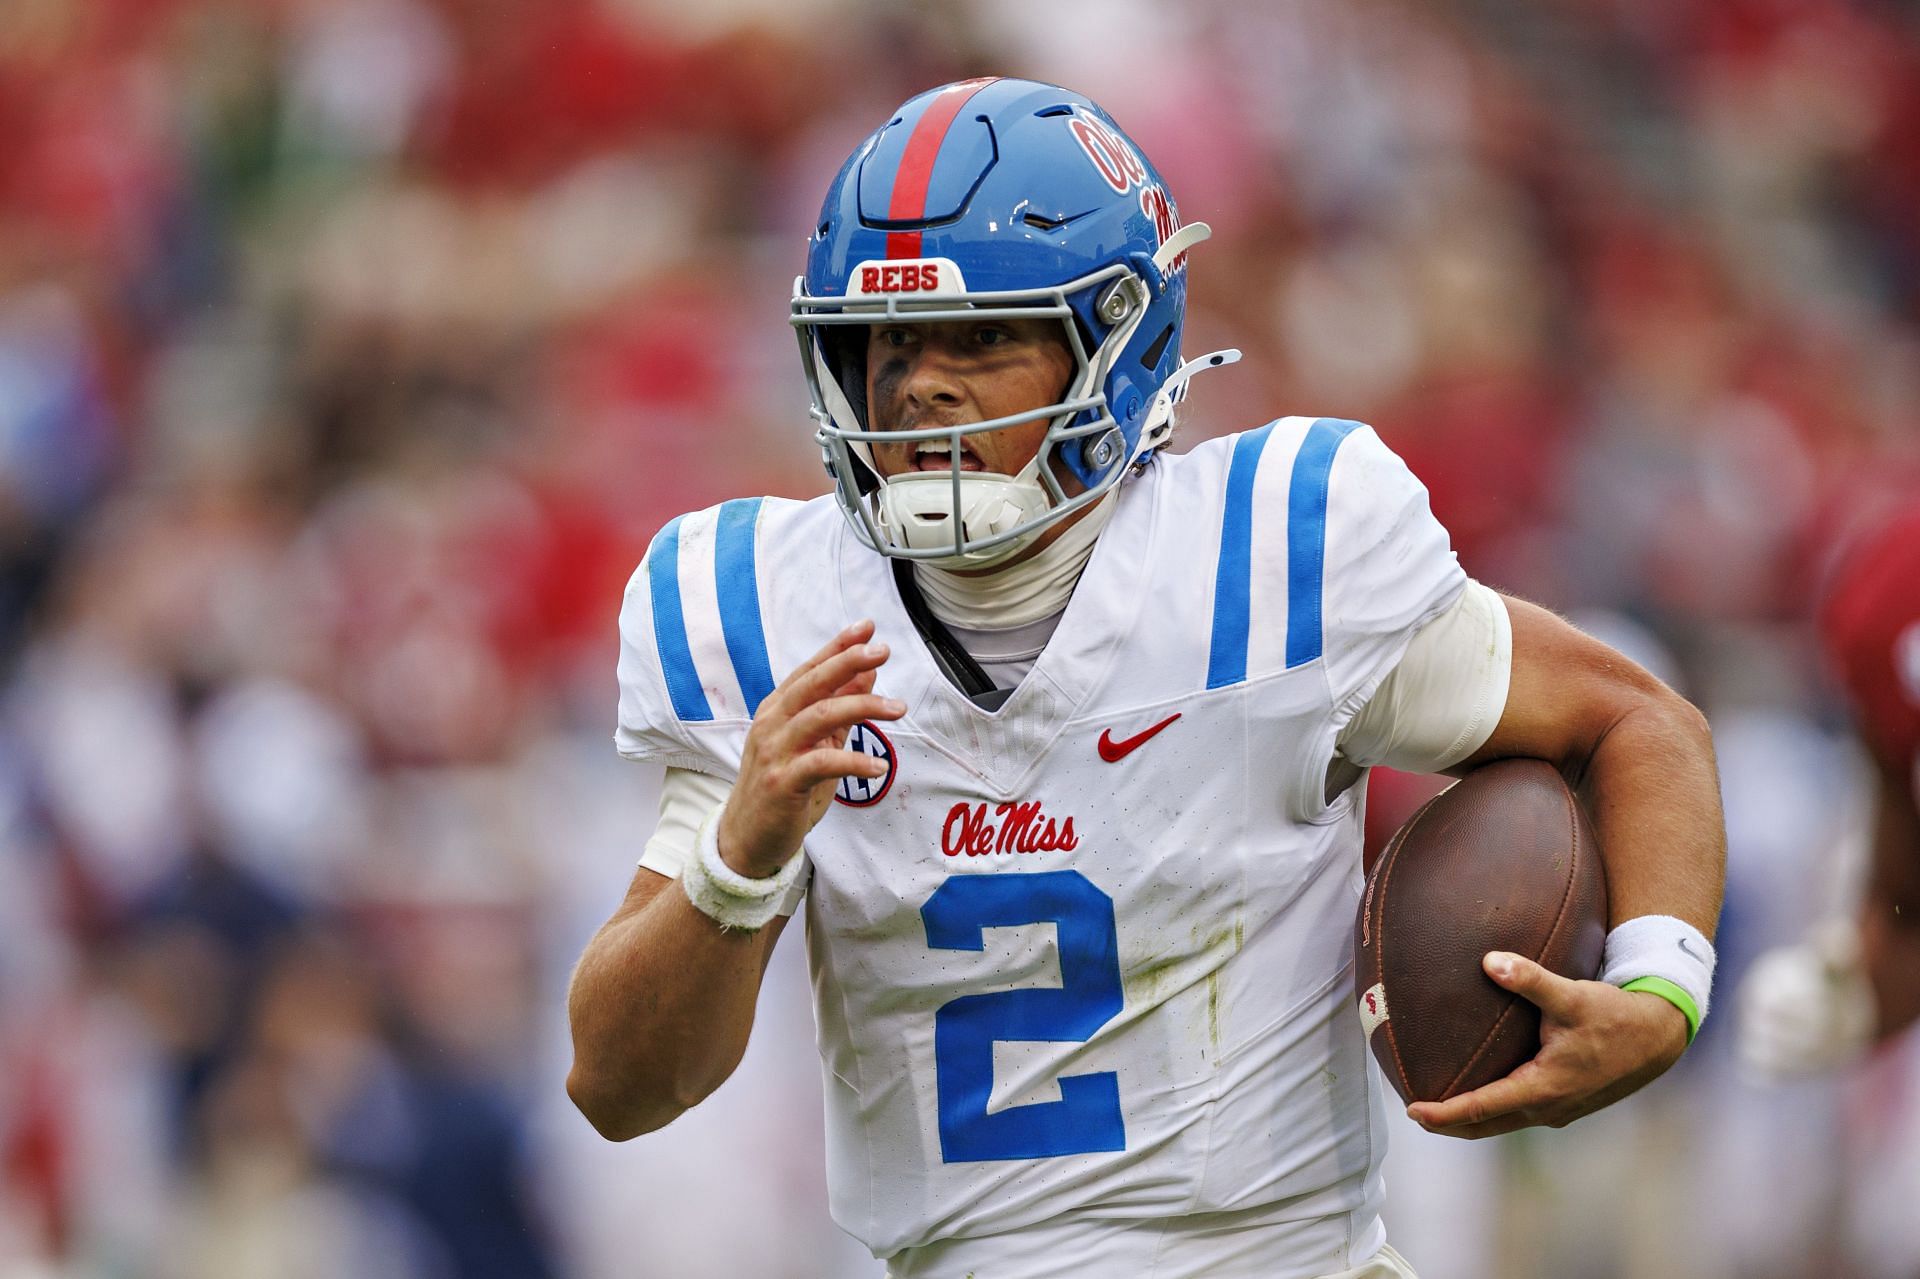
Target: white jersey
1087 957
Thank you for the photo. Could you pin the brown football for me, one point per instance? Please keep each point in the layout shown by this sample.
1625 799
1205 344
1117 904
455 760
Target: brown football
1502 860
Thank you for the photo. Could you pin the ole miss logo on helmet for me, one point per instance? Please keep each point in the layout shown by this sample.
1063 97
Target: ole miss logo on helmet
1111 154
1155 204
1122 169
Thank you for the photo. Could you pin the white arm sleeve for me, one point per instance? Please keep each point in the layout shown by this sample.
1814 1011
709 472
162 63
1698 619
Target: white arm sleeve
1442 701
686 800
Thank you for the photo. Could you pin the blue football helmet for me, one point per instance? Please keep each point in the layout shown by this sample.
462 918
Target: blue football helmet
1027 199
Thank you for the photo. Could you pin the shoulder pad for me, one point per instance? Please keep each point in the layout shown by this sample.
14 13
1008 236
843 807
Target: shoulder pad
693 642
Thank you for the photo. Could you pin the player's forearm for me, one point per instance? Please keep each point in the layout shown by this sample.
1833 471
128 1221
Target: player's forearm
661 1007
1639 754
1651 786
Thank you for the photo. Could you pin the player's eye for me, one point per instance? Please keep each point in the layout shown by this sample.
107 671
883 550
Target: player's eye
991 335
894 337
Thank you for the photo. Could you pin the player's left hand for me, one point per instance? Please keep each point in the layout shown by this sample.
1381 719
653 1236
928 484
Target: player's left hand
1598 1043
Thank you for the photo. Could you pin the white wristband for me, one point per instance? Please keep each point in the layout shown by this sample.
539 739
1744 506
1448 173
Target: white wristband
1663 947
723 894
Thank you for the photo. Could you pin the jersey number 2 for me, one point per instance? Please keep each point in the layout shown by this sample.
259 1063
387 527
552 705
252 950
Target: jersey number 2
1087 1116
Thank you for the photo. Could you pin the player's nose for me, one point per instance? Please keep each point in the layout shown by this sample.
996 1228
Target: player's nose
934 378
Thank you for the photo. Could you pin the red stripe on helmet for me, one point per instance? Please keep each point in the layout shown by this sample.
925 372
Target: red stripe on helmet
910 184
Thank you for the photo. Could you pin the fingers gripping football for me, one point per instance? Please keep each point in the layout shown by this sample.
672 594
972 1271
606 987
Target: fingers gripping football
1598 1043
796 751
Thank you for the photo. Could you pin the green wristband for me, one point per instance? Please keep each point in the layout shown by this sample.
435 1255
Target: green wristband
1672 994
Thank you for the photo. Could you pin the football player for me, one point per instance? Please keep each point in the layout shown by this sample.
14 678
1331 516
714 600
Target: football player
1061 740
1819 1005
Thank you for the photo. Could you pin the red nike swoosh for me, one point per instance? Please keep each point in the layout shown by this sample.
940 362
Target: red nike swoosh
1113 752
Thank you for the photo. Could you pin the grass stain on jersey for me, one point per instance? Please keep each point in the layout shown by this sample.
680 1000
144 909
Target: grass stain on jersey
1144 982
1219 941
1213 985
1213 1012
1162 975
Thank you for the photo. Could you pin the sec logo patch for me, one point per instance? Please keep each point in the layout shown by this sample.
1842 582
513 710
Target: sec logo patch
864 792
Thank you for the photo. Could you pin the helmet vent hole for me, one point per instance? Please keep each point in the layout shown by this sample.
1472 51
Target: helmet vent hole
1150 357
1059 108
1041 222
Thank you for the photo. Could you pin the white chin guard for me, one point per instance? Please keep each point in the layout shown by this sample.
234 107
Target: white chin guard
916 510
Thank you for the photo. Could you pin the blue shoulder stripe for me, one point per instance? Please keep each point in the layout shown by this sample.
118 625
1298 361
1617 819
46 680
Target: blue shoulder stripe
1233 575
738 589
1307 535
670 626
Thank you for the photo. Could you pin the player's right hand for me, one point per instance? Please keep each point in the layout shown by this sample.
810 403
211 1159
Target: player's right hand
1598 1043
796 752
1806 1009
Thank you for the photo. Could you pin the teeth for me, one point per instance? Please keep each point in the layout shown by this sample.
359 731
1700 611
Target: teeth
934 446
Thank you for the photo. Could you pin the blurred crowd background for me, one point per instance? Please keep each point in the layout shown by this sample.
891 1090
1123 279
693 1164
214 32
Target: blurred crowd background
352 350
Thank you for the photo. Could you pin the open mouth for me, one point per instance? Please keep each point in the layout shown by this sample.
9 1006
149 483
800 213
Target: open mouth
937 455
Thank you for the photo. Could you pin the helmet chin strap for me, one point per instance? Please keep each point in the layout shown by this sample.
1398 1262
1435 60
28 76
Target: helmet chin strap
1159 425
915 509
